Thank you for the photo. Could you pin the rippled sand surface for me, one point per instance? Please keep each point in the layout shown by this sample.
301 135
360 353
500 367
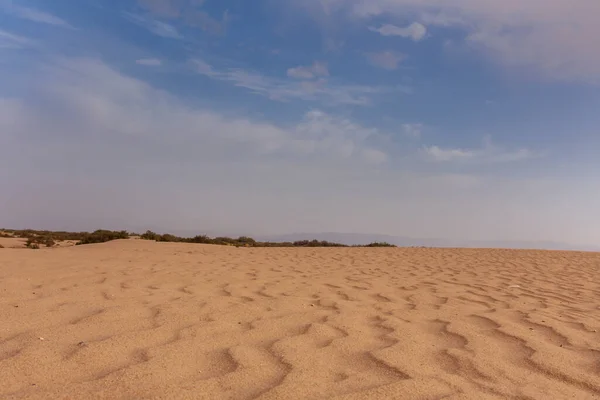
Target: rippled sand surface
135 319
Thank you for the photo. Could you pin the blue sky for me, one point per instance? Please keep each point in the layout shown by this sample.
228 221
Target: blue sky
459 119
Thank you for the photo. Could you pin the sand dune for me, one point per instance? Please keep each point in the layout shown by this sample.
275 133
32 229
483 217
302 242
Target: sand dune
12 242
134 319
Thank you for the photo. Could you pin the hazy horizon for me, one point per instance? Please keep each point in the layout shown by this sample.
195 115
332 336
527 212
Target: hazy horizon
349 238
409 118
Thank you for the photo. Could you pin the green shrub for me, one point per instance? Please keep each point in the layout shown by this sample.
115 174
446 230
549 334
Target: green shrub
316 243
246 240
39 235
200 239
49 238
167 237
223 241
149 235
46 240
102 236
32 244
380 244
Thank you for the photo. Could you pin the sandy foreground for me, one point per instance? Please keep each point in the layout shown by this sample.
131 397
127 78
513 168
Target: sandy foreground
134 319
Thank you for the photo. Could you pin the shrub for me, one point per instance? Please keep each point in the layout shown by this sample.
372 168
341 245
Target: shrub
49 238
246 240
200 239
32 244
101 236
316 243
380 244
41 235
149 235
223 241
167 237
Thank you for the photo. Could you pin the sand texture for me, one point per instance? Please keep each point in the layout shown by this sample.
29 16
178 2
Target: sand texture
133 319
12 243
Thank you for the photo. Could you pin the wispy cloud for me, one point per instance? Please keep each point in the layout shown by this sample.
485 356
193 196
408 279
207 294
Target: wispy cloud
12 41
150 62
554 39
413 130
321 132
157 27
102 101
34 15
488 153
189 12
437 153
309 72
389 60
416 31
284 89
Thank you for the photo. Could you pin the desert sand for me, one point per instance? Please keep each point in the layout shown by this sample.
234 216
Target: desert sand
134 319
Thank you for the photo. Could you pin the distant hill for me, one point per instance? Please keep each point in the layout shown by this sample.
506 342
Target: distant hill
402 241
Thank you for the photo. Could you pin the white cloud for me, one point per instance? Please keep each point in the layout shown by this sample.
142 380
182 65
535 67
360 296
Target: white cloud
150 62
488 153
386 59
437 153
283 89
416 31
554 39
302 72
321 132
35 15
106 101
157 27
412 130
205 68
12 41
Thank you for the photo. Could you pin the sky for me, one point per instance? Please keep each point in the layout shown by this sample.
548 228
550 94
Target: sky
458 119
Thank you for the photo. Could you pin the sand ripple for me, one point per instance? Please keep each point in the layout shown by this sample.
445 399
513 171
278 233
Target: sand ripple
140 320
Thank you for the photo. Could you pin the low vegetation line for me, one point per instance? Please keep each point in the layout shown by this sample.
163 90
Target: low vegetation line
36 239
245 241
